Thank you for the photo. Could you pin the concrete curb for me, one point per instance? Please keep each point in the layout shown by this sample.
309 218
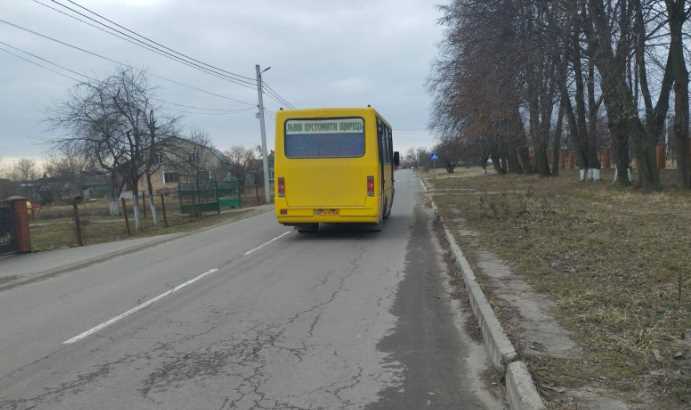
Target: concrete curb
520 388
521 392
38 276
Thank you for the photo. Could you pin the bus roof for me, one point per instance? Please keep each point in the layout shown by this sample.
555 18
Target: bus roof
331 111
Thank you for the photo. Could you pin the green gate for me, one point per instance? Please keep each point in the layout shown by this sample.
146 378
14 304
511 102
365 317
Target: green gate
208 196
228 193
198 198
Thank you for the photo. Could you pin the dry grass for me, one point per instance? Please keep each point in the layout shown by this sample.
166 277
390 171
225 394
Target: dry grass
60 233
616 261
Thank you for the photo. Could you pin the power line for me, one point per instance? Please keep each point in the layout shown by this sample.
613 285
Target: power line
124 36
115 33
276 96
213 113
250 79
120 63
45 60
153 46
180 112
39 64
90 80
140 40
156 47
193 107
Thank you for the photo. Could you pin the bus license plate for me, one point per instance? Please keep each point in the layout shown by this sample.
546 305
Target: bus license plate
326 212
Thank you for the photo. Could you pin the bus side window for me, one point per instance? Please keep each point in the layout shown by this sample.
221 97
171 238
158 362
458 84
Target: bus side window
380 141
390 145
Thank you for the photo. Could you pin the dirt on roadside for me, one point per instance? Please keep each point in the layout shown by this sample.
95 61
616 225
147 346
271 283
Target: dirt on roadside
592 282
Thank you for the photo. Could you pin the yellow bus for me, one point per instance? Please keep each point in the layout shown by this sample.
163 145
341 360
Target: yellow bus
333 165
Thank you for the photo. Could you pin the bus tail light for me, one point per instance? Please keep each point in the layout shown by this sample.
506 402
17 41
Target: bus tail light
281 187
370 185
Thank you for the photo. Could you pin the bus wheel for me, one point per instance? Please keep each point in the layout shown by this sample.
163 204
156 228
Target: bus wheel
377 227
307 228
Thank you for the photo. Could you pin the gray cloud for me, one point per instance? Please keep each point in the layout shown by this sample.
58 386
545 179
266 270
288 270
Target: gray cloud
322 53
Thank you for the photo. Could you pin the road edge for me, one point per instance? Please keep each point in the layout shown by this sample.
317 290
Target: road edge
521 391
46 274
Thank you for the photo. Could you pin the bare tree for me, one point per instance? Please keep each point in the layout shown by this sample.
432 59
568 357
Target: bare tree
25 170
241 162
157 136
68 164
109 122
450 151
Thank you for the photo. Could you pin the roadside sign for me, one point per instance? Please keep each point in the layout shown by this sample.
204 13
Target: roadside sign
434 157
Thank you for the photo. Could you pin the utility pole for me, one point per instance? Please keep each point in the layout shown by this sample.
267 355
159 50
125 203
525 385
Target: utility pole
262 126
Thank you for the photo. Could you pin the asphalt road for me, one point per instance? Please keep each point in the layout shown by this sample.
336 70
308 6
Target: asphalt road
250 315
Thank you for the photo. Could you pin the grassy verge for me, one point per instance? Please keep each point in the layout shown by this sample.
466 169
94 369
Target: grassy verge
60 233
617 263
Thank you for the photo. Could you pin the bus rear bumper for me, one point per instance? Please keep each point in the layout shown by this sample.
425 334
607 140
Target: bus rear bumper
292 216
331 220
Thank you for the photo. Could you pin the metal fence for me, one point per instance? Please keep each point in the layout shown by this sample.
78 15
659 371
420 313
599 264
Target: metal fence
208 196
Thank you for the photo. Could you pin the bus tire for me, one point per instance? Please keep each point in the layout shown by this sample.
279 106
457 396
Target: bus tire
308 228
377 227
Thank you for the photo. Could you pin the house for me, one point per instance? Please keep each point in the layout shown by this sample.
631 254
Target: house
185 161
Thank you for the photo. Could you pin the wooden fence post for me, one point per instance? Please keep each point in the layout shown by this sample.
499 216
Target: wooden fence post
163 210
77 222
124 212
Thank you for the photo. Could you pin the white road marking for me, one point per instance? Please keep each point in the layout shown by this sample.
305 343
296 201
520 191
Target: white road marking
267 243
138 308
153 300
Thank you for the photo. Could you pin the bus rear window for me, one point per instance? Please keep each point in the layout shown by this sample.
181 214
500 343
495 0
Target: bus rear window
325 138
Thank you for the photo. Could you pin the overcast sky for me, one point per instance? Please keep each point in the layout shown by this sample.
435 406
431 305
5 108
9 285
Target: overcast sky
322 53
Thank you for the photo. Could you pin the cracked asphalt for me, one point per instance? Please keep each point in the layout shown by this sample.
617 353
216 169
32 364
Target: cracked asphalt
345 319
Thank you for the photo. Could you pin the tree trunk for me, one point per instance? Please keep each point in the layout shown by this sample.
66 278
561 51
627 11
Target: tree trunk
135 210
676 11
623 124
617 96
115 189
519 145
556 147
621 149
581 134
645 148
592 142
114 207
152 203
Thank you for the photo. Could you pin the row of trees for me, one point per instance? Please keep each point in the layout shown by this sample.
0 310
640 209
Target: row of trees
513 74
24 169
